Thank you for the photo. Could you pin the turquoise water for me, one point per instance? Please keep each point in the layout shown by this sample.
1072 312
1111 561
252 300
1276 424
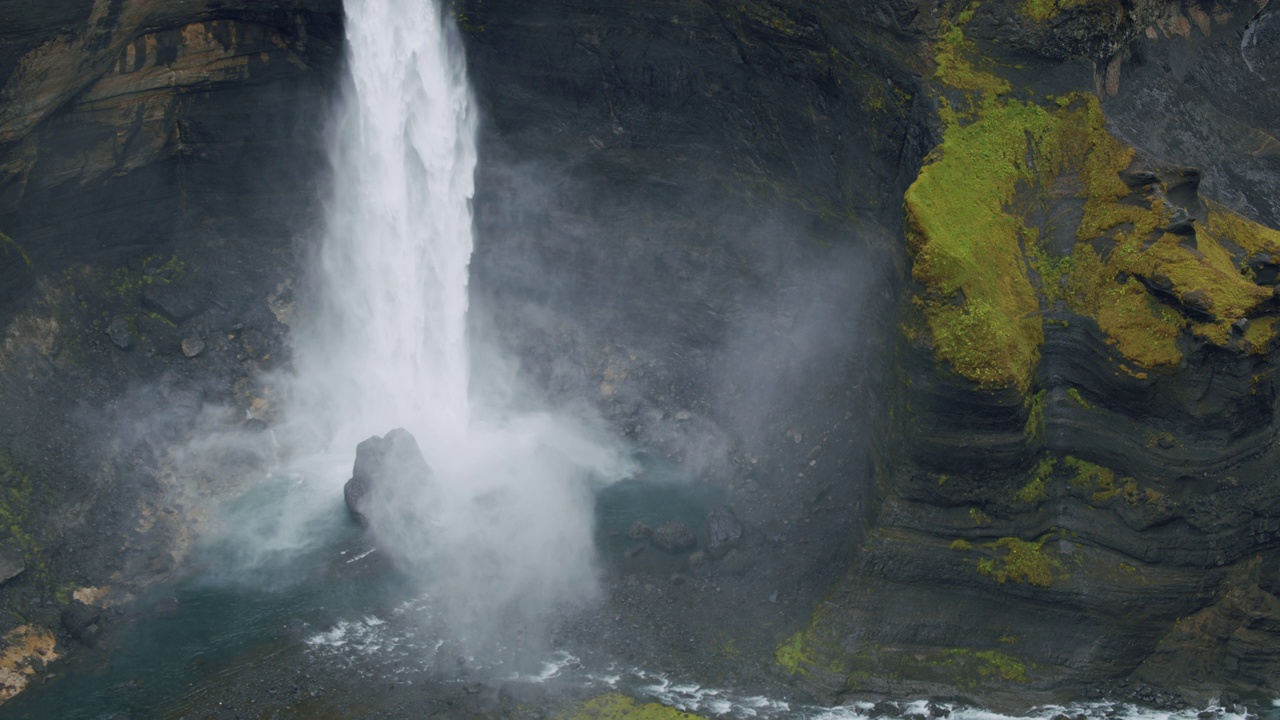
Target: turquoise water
309 589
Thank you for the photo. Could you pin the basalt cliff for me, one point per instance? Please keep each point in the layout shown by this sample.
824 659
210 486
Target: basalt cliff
967 309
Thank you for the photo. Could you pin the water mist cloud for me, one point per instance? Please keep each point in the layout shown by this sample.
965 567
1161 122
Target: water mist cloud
501 526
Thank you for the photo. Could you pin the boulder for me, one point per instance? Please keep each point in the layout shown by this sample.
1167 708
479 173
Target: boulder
11 563
175 300
723 531
192 345
120 332
82 622
387 470
639 531
673 536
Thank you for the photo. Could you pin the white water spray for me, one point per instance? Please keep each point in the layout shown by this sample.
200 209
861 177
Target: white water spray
395 261
506 528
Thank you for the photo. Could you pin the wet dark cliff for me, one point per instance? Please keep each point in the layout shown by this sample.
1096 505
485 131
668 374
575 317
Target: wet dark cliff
969 312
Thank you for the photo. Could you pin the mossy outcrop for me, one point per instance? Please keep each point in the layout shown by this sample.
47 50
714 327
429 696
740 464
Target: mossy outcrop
1086 370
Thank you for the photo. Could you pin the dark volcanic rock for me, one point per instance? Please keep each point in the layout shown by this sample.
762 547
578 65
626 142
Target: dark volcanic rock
120 333
387 470
723 531
673 536
81 622
11 563
176 301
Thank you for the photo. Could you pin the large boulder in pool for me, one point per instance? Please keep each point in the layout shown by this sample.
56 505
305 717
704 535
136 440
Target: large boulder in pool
724 531
390 475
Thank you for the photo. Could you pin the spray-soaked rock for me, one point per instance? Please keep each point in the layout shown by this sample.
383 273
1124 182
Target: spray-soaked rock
81 622
673 536
386 469
120 332
11 563
723 531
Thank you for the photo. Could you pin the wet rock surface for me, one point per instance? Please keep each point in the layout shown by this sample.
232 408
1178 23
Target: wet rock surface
722 187
387 470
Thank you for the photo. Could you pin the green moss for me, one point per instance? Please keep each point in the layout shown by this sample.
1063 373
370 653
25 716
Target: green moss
16 495
791 655
768 16
958 64
988 664
1075 395
1253 238
1103 481
1046 10
980 305
979 517
7 245
976 213
961 544
1033 429
1259 333
1034 491
1022 562
813 648
616 706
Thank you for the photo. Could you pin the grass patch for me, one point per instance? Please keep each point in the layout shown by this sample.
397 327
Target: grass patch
1034 491
616 706
1022 561
1075 395
1103 481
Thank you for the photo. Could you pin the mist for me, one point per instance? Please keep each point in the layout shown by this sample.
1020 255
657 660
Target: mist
500 529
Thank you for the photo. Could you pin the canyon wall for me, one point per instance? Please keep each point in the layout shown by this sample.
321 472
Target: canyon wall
968 310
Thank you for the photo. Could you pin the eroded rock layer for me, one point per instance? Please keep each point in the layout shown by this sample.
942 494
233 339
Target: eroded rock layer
968 311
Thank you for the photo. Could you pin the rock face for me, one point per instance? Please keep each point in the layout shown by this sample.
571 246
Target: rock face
157 161
1081 382
1076 488
389 474
986 292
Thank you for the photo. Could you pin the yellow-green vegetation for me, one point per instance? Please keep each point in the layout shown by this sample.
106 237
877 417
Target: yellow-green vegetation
464 21
1045 10
125 284
815 647
1034 427
981 308
961 544
1252 238
1034 491
987 664
791 655
1105 483
7 245
958 64
1022 562
975 219
616 706
16 490
1259 333
1075 395
979 517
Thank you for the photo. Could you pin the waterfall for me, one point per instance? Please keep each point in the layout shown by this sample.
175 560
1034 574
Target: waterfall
399 241
505 528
